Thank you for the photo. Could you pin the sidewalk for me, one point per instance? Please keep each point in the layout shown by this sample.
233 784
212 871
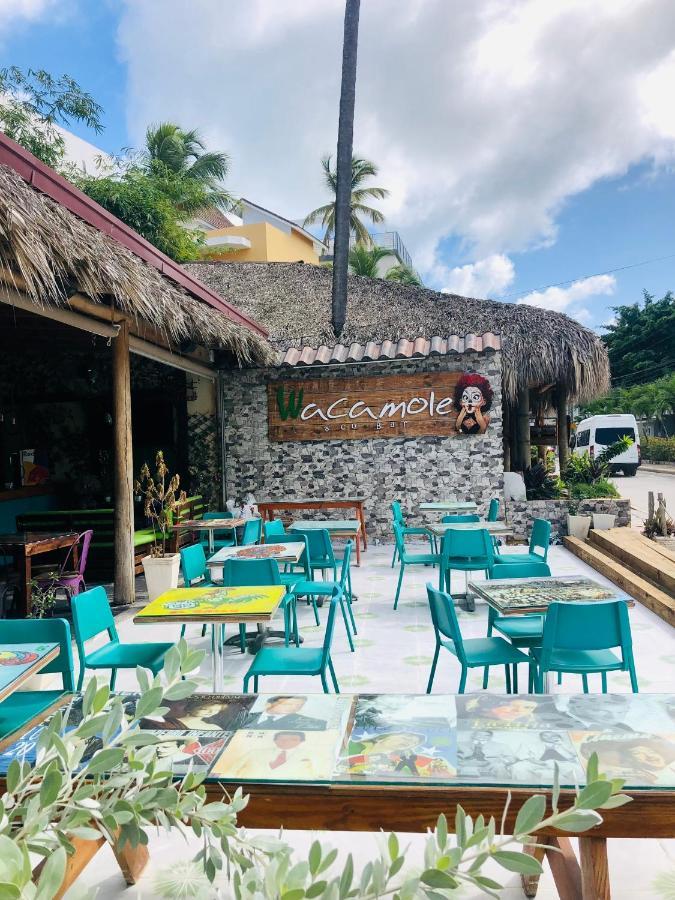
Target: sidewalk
664 468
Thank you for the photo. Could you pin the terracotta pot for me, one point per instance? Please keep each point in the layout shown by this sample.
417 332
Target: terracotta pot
161 573
578 526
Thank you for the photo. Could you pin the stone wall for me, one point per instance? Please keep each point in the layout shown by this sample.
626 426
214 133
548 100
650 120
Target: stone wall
380 469
522 513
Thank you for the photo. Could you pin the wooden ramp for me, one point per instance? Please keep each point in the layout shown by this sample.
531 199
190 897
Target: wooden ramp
637 565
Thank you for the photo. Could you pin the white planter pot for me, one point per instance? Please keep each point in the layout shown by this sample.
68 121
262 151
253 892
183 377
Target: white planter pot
578 526
603 521
161 573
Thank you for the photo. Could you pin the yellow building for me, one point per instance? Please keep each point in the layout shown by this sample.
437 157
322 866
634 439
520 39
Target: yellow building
259 235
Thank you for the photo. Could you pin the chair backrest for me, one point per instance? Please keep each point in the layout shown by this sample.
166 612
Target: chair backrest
493 510
468 545
246 572
444 617
397 512
193 563
294 537
586 626
252 532
540 538
50 631
457 520
218 533
320 546
274 529
92 616
344 572
520 570
330 625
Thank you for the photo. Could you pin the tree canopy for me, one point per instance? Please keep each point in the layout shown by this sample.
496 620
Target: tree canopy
654 399
641 342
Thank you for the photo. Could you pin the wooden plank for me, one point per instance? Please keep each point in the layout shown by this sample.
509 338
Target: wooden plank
564 868
594 868
639 554
650 596
84 852
131 860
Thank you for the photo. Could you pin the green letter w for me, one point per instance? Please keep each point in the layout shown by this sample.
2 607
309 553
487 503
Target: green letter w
294 405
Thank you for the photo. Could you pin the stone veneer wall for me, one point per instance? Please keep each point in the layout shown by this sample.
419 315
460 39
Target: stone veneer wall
204 457
522 513
411 470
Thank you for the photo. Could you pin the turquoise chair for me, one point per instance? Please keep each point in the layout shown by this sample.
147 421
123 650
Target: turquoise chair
465 551
472 653
252 532
493 510
397 514
327 588
300 571
195 572
222 538
91 617
522 631
579 638
250 572
273 530
409 559
540 538
298 660
458 520
22 706
321 553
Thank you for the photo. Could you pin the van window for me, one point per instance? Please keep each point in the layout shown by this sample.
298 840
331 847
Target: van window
608 436
583 438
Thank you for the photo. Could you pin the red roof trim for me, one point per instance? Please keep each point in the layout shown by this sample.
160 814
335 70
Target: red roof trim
49 182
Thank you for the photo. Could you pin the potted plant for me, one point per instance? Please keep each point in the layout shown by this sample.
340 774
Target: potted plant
160 500
577 526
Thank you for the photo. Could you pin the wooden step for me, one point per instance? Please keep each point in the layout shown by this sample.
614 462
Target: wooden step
639 554
639 588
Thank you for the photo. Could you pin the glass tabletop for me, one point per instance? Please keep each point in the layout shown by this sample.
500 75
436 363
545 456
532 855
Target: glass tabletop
518 594
290 551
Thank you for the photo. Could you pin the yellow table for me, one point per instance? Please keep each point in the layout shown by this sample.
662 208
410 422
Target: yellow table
215 606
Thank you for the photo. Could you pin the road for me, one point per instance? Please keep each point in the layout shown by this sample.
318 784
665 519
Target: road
636 490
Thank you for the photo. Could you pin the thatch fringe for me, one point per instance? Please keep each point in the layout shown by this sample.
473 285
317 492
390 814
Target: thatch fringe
54 253
293 301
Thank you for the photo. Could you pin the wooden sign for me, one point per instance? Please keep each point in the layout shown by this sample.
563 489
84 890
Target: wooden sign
439 404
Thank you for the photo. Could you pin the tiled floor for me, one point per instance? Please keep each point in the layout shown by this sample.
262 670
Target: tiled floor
393 654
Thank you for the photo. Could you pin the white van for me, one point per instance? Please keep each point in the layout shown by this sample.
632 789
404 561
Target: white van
597 432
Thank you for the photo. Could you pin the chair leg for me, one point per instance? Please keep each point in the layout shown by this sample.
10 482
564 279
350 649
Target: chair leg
393 557
80 679
242 638
287 625
514 678
603 676
633 679
347 628
296 635
398 586
204 627
584 681
462 680
507 670
182 630
255 683
332 675
324 682
113 679
559 677
316 611
433 668
246 678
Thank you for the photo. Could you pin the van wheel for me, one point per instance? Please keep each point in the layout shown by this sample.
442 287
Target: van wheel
630 471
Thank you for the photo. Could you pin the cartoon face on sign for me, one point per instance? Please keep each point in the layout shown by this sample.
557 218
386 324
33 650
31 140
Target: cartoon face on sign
473 398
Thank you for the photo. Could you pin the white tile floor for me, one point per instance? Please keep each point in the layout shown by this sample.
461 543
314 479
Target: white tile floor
393 655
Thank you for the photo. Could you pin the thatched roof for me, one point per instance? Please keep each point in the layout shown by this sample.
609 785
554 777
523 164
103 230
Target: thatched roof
52 253
293 301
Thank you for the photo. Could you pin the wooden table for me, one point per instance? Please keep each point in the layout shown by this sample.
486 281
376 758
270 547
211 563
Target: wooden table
18 662
267 508
23 546
450 506
517 596
343 528
208 525
215 606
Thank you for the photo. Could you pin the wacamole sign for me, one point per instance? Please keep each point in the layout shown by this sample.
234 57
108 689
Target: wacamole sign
323 409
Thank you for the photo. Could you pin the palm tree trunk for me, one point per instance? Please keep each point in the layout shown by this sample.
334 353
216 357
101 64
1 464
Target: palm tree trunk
344 165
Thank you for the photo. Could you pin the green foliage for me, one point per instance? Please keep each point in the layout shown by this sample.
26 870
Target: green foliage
581 469
540 484
42 597
362 169
601 488
33 103
658 449
655 399
641 342
365 260
404 275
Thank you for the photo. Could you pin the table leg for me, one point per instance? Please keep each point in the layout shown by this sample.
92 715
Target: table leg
214 657
25 578
76 555
594 868
360 516
530 883
564 868
212 541
358 550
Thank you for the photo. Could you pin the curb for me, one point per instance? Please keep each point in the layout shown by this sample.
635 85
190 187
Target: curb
664 469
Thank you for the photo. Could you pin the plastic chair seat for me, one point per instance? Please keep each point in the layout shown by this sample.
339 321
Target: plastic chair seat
278 661
581 661
128 656
22 706
318 588
518 558
520 627
489 651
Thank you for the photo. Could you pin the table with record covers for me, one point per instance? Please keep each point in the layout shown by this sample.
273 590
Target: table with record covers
395 762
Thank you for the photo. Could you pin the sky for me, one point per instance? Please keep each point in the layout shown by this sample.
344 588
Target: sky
528 145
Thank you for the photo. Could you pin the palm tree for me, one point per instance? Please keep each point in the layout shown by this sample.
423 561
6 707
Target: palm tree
364 260
169 150
361 169
404 275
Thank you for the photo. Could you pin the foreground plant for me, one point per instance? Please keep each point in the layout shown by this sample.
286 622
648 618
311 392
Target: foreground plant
98 775
160 500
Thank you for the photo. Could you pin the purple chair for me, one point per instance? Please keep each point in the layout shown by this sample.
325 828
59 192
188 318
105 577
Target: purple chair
71 581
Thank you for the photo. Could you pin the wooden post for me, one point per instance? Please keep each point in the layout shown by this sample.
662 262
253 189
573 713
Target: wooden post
124 487
594 868
523 428
563 430
506 435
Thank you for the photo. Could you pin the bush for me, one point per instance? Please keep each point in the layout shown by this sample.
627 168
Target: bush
658 449
601 488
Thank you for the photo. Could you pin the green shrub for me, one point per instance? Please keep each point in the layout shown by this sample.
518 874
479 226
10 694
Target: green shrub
601 488
658 449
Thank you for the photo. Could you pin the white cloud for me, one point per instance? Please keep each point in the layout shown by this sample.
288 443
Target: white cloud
13 12
567 299
487 277
484 117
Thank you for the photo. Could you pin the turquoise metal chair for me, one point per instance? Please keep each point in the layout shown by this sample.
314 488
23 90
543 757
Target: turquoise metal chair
579 638
91 617
522 631
252 532
540 539
222 538
409 559
327 588
397 514
472 653
249 572
298 660
195 572
274 529
300 571
321 553
22 706
465 551
493 510
459 519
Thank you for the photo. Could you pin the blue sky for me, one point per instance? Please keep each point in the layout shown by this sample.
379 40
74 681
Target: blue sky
575 178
